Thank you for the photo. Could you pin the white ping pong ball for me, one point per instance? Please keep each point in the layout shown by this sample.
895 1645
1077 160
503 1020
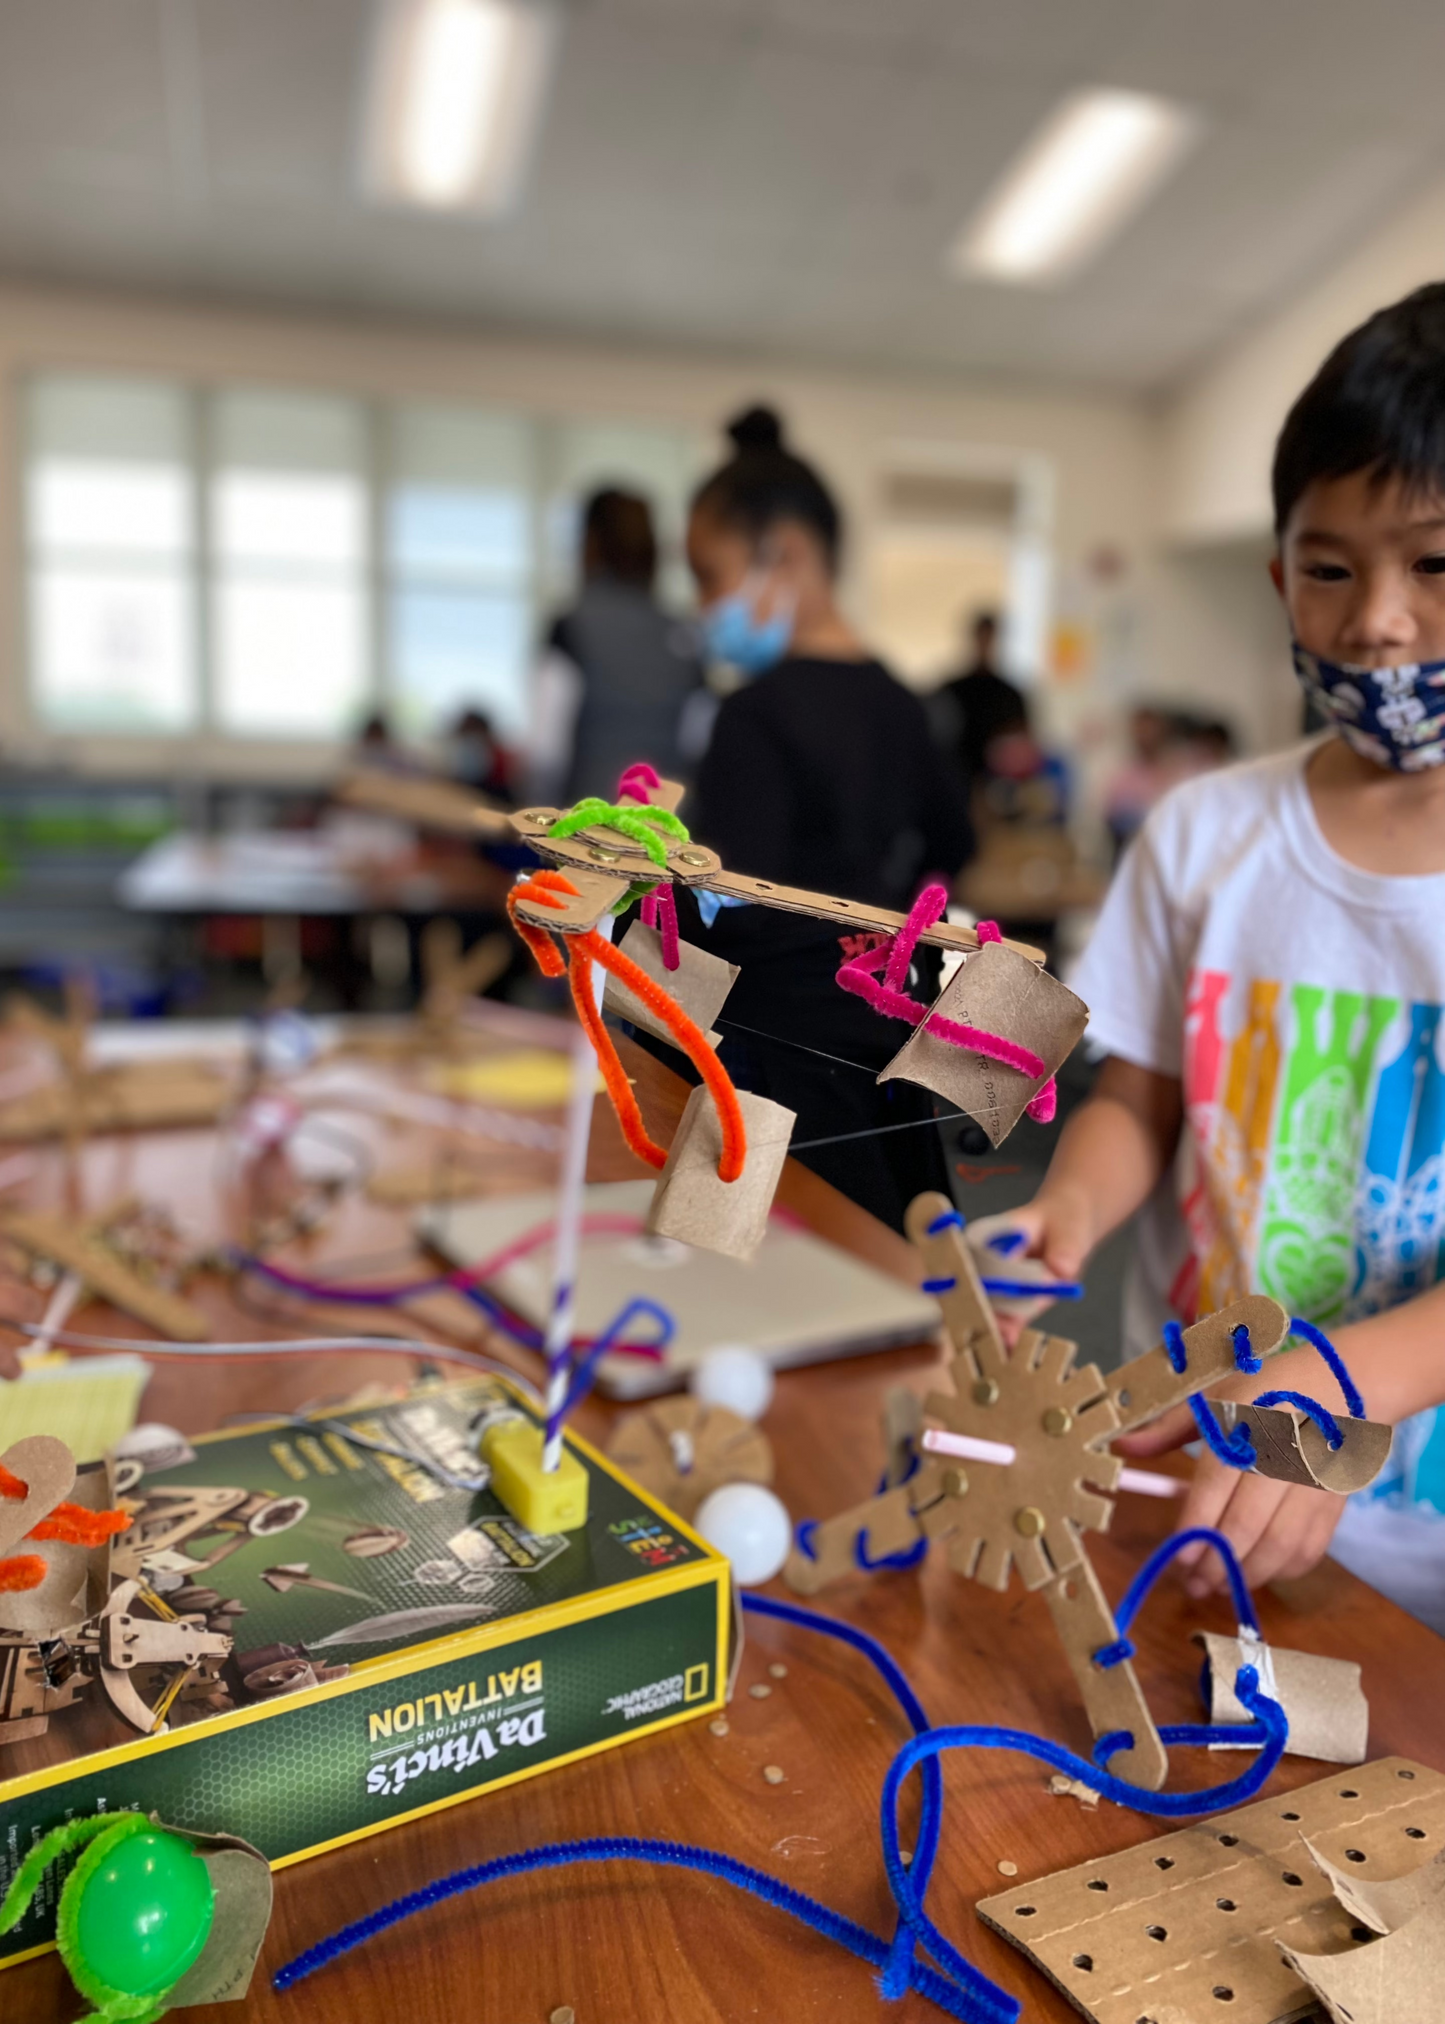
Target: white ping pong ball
736 1377
750 1526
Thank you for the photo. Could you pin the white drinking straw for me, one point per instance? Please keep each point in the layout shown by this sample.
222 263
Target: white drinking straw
562 1321
968 1448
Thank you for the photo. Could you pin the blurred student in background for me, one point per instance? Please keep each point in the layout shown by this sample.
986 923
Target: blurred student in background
1166 747
477 758
979 707
618 669
820 774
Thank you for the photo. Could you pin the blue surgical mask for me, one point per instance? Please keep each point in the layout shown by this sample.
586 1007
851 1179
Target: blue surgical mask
1394 716
732 631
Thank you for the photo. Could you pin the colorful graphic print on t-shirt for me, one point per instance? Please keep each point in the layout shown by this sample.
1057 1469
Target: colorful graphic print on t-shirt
1317 1126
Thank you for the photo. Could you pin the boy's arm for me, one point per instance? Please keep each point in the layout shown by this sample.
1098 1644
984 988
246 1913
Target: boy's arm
1110 1155
1398 1362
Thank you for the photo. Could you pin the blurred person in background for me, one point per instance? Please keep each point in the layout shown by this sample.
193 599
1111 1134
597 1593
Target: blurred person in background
1167 746
979 707
375 749
477 758
821 773
618 670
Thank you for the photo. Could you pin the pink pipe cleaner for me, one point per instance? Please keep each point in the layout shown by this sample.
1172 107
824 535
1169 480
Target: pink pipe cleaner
659 908
638 782
890 998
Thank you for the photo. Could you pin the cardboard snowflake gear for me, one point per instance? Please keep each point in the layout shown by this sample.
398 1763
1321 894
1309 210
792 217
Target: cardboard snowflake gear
1032 1513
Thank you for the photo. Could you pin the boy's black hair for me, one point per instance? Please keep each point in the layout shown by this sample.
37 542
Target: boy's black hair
763 483
1377 404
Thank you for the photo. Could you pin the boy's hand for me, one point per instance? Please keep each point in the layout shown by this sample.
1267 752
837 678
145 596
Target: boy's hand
1277 1529
1057 1230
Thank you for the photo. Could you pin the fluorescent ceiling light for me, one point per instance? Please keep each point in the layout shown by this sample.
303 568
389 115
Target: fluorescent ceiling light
455 101
1087 170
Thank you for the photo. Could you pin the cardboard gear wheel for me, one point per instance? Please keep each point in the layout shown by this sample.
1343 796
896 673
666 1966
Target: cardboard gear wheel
682 1450
1028 1516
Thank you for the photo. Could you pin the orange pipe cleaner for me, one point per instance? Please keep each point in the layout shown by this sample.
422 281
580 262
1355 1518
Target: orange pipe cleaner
24 1572
70 1523
544 888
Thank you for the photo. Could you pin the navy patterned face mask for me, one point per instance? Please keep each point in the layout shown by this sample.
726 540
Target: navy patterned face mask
1395 716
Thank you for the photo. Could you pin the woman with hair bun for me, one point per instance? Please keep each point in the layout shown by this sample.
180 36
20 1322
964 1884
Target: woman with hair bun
820 773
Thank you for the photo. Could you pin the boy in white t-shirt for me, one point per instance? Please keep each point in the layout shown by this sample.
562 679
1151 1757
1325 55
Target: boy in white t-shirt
1268 978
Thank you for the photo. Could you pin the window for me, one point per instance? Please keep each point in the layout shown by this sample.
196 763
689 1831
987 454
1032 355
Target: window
289 553
272 563
111 550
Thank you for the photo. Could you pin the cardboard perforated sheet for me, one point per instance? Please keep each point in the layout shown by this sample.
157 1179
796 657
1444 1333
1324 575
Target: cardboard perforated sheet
1155 1934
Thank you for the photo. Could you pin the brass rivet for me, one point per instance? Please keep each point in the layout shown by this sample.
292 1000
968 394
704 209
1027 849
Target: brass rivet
533 815
985 1392
698 857
955 1483
601 856
1058 1420
1029 1521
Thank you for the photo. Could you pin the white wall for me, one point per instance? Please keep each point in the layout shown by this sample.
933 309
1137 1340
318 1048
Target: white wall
1102 450
1216 627
1218 434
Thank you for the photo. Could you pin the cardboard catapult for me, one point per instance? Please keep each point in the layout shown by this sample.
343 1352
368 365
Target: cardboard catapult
1000 989
1032 1513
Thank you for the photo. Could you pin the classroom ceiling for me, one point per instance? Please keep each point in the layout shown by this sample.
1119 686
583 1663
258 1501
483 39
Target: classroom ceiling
777 176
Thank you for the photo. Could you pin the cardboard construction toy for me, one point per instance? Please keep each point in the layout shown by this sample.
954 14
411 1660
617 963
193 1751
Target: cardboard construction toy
681 1450
1332 1894
235 1659
700 983
87 1097
58 1241
1005 987
450 976
151 1918
602 863
1051 1478
717 1186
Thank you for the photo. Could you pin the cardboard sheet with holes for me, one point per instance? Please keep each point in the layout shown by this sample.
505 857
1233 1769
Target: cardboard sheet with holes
1256 1916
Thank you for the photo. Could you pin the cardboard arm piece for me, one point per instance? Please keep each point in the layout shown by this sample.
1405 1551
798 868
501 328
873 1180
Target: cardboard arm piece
967 1316
1112 1694
1289 1447
1150 1385
431 804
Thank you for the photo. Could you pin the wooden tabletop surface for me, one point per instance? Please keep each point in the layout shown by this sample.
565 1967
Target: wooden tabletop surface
620 1945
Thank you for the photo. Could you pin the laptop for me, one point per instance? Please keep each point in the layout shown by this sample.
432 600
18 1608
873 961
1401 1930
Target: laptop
800 1300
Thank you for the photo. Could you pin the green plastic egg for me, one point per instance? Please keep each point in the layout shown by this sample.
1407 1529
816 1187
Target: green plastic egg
145 1914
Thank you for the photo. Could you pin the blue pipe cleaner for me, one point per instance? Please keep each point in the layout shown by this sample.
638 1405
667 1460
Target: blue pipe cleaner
1244 1356
585 1370
1137 1592
1328 1425
960 1989
1027 1289
1270 1728
949 1220
1007 1242
1235 1450
1318 1340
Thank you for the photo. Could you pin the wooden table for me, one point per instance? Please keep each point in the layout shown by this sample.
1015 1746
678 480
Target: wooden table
621 1945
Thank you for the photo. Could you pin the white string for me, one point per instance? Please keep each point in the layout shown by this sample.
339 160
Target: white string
307 1345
